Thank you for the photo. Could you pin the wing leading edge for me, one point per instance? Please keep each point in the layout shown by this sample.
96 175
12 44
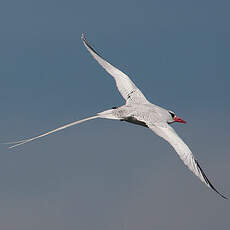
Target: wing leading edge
185 154
126 87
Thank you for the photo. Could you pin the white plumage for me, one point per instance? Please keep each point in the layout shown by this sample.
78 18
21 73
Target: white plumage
139 110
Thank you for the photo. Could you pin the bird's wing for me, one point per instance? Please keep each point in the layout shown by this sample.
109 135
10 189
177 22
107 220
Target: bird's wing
125 86
185 154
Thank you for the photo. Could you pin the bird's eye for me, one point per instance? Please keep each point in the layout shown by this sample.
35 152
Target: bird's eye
172 114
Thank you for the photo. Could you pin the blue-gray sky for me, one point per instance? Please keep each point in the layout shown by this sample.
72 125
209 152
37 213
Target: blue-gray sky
109 175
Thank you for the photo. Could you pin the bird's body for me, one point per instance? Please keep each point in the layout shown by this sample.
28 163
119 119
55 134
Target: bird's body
140 111
147 113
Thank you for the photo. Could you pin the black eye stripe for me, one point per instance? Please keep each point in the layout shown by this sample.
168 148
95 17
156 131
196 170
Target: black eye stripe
172 114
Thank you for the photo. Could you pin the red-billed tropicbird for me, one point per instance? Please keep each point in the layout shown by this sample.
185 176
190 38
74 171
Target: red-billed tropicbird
139 110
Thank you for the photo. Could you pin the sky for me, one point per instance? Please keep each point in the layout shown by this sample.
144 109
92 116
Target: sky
104 174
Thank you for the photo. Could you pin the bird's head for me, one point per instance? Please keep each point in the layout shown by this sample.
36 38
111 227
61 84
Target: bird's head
173 118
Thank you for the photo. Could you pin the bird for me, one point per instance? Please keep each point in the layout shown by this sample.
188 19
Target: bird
138 110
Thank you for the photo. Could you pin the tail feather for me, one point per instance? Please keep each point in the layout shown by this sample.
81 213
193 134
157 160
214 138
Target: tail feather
24 141
108 114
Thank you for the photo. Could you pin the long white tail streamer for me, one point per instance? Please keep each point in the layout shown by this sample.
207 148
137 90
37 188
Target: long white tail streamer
22 142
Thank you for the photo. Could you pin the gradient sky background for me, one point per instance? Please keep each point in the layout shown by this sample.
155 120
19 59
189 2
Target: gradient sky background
110 175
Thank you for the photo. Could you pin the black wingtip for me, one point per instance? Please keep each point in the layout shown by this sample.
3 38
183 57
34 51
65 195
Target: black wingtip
83 37
208 182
